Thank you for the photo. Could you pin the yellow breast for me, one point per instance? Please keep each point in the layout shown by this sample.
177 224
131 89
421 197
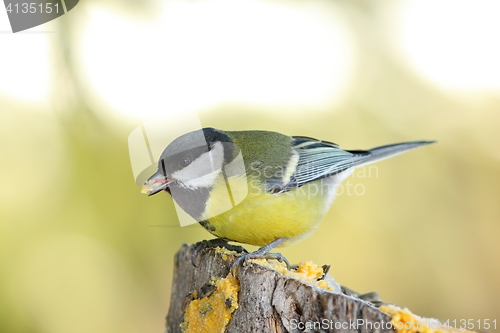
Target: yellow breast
259 217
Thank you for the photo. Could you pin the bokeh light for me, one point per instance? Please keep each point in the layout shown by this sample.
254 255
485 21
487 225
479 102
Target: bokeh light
24 76
198 54
452 43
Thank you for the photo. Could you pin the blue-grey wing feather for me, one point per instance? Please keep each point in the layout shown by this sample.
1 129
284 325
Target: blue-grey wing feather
321 159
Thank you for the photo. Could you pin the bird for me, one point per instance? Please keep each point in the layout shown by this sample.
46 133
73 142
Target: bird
258 187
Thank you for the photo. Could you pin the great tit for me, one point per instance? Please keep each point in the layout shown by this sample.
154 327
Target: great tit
258 187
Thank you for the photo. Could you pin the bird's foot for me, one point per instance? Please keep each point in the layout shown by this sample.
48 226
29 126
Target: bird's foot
212 243
263 253
372 297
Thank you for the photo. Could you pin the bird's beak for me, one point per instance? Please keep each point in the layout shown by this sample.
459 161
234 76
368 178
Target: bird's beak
156 183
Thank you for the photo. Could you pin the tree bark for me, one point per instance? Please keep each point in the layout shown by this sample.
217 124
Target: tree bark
268 301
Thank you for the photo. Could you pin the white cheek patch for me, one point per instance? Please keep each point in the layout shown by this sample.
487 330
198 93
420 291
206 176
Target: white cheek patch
207 180
203 171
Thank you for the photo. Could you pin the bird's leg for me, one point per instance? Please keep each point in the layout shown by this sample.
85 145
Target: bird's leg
212 243
263 252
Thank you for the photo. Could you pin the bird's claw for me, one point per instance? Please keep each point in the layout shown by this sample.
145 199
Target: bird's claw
255 255
263 253
212 243
371 297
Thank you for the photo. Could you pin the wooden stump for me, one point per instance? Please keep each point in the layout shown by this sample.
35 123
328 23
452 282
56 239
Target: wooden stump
267 301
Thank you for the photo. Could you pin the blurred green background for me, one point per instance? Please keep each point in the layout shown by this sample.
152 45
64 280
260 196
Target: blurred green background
82 250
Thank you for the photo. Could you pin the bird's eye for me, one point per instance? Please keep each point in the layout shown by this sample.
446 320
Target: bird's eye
184 162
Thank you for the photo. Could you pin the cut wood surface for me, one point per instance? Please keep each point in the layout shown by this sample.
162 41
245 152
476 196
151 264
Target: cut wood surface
267 301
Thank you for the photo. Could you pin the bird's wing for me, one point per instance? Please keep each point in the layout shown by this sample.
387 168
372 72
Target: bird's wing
316 160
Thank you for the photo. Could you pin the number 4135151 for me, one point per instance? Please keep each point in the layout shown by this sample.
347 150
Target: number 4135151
471 324
32 7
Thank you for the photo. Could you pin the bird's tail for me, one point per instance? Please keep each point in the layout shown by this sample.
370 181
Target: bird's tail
383 152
